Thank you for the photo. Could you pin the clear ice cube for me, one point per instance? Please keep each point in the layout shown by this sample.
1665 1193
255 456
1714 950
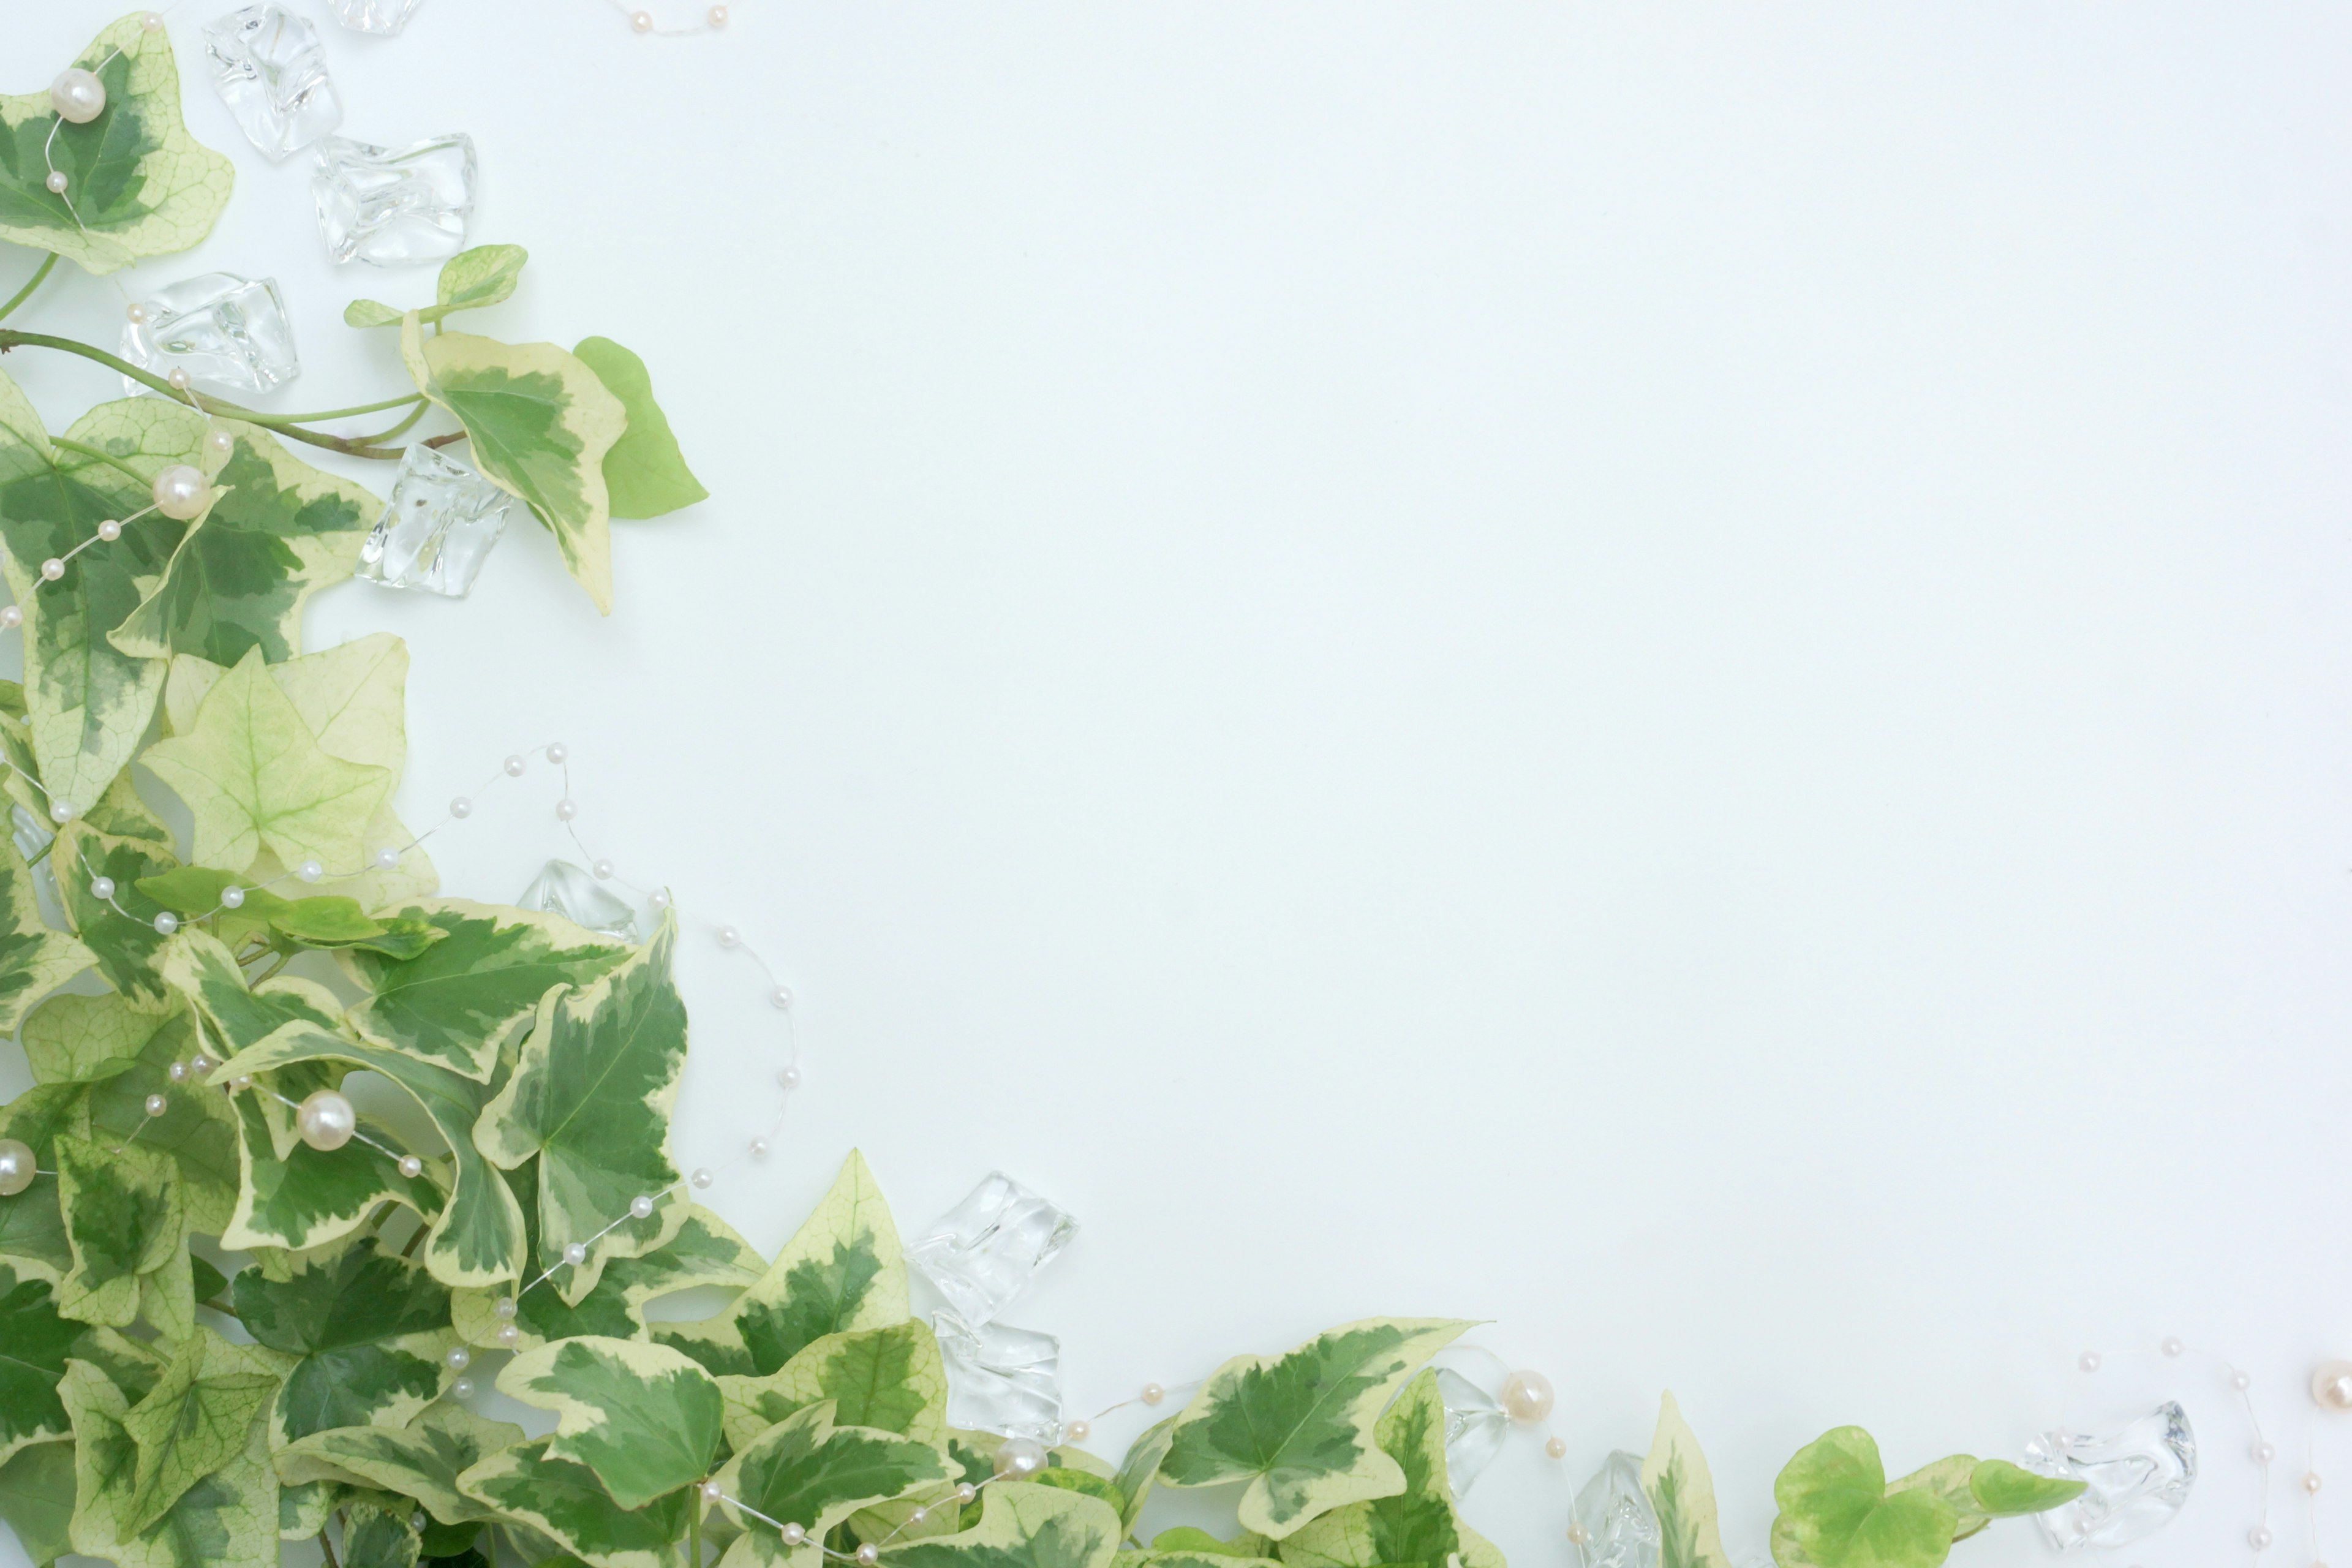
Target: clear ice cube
1001 1379
437 528
2135 1479
1475 1426
984 1252
563 889
268 68
1619 1526
383 17
221 328
389 207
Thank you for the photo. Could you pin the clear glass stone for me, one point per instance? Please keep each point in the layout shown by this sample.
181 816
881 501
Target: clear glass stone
1475 1426
563 889
1001 1379
268 68
389 207
1621 1528
438 527
222 329
28 833
984 1252
383 17
2135 1479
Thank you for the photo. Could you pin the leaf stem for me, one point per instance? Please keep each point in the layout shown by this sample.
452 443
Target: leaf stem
382 436
694 1532
39 275
101 455
356 409
330 1551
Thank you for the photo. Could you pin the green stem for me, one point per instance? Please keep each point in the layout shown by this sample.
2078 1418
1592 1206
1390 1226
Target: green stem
414 1238
330 1551
103 456
694 1532
273 969
356 409
39 274
382 436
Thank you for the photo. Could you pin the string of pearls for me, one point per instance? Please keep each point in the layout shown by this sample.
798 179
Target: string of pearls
645 25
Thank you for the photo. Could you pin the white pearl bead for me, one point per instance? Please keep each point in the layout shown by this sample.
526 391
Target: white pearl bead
790 1078
868 1554
461 808
135 315
601 870
463 1388
641 1208
1019 1457
310 870
2241 1382
180 492
793 1534
110 531
220 442
2331 1385
2311 1481
231 896
781 998
730 937
1556 1447
177 1073
166 923
101 888
2172 1347
702 1178
715 15
459 1358
659 898
558 753
326 1121
63 811
1078 1431
2258 1538
53 568
576 1255
56 182
411 1166
642 21
505 1307
565 811
1527 1397
508 1334
77 96
758 1148
1153 1393
1576 1534
2263 1453
387 859
710 1491
240 1083
201 1064
916 1514
515 766
11 617
152 21
2088 1361
156 1103
178 379
16 1168
965 1491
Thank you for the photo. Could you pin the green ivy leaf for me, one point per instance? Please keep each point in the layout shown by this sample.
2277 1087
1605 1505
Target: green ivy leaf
421 1460
841 1271
1681 1492
299 1197
198 1417
225 1517
123 1224
88 1039
1188 1542
37 1499
645 471
1141 1468
328 921
463 999
88 702
304 1509
540 424
197 1130
31 1227
810 1471
1298 1427
371 1329
469 280
139 183
563 1500
2005 1491
37 1340
1836 1510
253 775
119 932
34 960
279 531
1418 1524
647 1420
889 1379
377 1534
1021 1526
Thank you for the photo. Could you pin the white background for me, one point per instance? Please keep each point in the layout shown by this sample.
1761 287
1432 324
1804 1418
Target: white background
1675 676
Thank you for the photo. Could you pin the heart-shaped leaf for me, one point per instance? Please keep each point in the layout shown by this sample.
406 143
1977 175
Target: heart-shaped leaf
1837 1511
647 1420
645 471
1418 1524
371 1329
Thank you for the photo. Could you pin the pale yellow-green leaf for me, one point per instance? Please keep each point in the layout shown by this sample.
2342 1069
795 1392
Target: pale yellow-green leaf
1682 1493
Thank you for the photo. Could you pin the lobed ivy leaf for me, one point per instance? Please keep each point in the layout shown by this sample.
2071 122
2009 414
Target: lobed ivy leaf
540 424
591 1097
529 1486
1022 1525
1297 1428
37 1499
1141 1468
377 1533
34 960
119 932
371 1329
301 1197
305 1508
199 1416
841 1271
196 1132
421 1460
31 1227
1418 1524
36 1339
124 1225
475 988
225 1517
138 185
278 532
1675 1479
645 1419
889 1379
1837 1510
644 472
816 1473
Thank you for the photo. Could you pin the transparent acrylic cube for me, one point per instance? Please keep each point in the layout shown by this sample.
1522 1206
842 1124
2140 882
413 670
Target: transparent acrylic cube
2135 1478
392 206
566 890
223 329
268 68
384 18
984 1252
1621 1528
438 527
1001 1379
1475 1426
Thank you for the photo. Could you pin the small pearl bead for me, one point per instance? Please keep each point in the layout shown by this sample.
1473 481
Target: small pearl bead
152 21
62 811
642 21
459 1358
703 1178
2311 1482
1556 1447
2263 1453
240 1083
790 1078
2088 1361
461 808
508 1334
2258 1538
2241 1382
514 767
179 380
558 753
758 1148
730 937
231 896
101 886
201 1064
177 1073
1153 1393
659 898
793 1534
1576 1535
77 96
463 1388
411 1166
781 998
716 16
2172 1347
326 1121
565 811
868 1555
387 859
1527 1397
110 531
155 1105
641 1208
601 870
966 1491
135 315
166 923
916 1514
56 182
11 617
1078 1431
1019 1457
710 1491
310 870
220 442
53 568
576 1255
180 492
505 1307
2331 1385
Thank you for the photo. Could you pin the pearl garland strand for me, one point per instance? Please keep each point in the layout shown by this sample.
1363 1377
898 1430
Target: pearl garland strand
643 24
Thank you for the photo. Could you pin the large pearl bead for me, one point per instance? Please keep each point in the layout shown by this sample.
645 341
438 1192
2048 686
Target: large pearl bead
2331 1385
326 1121
1527 1397
16 1166
181 493
1020 1458
77 96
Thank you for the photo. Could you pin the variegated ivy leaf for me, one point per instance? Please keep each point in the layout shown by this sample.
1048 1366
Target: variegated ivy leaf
461 1001
34 960
377 1533
200 1415
841 1271
38 1341
327 920
645 471
371 1329
1837 1510
32 1228
88 1039
526 1485
301 1198
591 1097
119 932
1190 1557
540 424
1418 1524
138 185
891 1380
89 701
421 1460
1298 1427
253 775
304 1509
123 1223
36 1493
485 275
1682 1493
225 1517
1022 1526
809 1472
645 1419
197 1130
1141 1468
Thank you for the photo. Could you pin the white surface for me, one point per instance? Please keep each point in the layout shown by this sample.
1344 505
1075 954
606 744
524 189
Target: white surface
1678 679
